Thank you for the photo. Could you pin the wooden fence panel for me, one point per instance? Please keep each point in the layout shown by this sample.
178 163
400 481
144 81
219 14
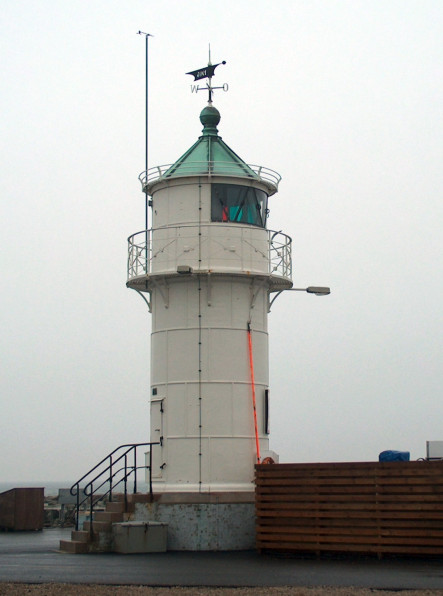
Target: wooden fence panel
380 508
22 509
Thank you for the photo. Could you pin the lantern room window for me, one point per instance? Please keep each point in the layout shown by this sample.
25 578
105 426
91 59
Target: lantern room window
238 204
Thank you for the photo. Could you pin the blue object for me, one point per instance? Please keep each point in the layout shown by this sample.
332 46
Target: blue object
394 456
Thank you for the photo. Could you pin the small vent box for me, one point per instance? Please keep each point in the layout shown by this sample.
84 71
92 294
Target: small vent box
434 450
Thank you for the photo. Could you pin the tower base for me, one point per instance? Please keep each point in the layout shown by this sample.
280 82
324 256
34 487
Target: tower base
203 522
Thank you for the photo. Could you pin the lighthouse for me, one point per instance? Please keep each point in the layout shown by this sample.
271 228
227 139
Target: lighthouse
208 269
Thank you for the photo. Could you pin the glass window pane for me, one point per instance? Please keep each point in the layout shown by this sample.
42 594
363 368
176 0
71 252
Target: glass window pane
241 204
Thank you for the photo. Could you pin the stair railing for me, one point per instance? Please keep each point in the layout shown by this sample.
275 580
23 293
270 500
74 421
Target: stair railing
113 470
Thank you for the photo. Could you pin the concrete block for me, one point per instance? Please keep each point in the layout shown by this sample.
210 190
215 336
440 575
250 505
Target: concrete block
80 536
140 537
74 547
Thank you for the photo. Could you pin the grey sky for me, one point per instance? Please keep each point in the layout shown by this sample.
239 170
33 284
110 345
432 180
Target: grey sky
342 98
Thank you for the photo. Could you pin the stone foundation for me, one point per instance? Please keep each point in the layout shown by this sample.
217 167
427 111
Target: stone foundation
203 522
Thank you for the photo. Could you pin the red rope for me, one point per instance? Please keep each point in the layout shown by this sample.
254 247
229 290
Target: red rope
251 365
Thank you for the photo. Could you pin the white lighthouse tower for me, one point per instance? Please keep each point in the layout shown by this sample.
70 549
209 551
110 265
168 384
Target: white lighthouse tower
207 269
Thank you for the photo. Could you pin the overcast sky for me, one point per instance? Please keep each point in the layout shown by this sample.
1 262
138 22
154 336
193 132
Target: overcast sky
343 98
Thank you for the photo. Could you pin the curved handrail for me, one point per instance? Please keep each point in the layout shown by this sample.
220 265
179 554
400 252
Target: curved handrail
108 475
130 445
214 168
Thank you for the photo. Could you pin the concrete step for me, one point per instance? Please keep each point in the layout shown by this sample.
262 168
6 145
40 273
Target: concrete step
98 526
116 506
133 498
74 547
139 498
80 536
108 516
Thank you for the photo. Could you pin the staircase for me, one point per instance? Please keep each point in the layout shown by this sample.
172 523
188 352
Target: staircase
101 481
97 537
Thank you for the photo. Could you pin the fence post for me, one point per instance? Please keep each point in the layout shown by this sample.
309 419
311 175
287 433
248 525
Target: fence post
91 510
110 478
77 507
126 481
150 471
135 469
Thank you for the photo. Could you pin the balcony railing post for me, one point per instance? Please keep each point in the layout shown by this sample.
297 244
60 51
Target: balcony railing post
146 251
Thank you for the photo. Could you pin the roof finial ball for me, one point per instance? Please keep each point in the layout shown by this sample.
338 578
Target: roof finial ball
210 117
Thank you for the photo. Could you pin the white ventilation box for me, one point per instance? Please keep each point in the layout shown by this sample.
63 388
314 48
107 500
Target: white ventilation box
434 450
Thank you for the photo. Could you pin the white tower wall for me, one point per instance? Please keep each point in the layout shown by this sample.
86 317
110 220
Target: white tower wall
201 378
201 408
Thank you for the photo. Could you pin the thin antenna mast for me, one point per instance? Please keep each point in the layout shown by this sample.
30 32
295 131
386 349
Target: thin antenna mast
147 36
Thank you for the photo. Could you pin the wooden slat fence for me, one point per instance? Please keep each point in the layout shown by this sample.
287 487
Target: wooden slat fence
378 508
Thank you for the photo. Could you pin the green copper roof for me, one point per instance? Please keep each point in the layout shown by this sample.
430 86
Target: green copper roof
210 155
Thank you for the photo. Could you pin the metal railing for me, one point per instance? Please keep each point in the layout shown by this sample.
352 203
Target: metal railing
280 254
214 168
140 253
113 470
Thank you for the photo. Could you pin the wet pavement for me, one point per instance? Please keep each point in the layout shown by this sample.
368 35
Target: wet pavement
33 557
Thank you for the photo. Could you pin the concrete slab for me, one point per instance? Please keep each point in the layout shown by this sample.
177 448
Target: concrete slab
32 557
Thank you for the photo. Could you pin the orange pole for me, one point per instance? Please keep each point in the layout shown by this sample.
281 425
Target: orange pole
251 365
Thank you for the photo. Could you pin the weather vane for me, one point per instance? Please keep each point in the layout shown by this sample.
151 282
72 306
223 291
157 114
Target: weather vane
207 72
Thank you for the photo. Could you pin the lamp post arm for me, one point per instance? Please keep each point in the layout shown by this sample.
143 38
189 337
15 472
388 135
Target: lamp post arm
317 290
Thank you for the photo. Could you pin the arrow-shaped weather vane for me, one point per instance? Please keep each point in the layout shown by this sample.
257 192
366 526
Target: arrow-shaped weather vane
207 72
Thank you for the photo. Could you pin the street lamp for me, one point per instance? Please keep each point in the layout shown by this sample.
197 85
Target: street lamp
317 290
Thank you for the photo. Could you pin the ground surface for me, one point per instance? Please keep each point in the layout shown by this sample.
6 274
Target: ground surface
85 590
31 564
